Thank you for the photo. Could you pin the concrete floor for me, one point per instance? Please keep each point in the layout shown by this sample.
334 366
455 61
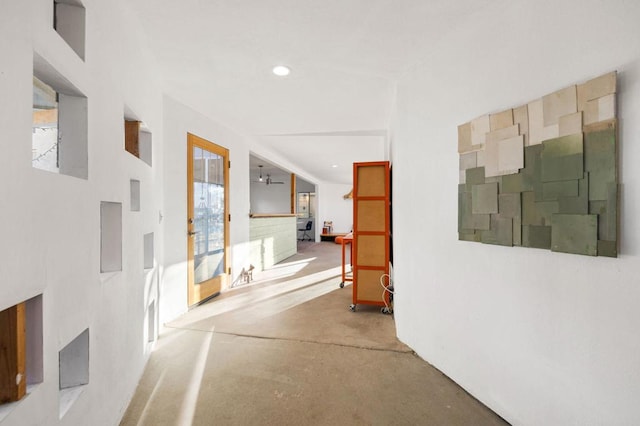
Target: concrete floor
287 350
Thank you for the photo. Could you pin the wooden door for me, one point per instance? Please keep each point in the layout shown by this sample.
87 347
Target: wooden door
208 218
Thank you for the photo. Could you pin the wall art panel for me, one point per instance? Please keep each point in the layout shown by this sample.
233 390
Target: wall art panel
544 174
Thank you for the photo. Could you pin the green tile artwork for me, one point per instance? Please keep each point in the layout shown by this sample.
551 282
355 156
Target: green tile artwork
578 204
532 170
475 175
536 236
564 196
468 222
484 198
562 188
501 232
509 205
600 161
562 158
575 233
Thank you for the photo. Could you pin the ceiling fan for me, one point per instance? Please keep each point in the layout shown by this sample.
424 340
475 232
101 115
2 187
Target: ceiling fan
266 180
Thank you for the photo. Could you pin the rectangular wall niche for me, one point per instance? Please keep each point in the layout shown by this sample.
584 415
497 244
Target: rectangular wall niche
59 125
69 21
151 322
135 195
148 250
21 354
74 370
544 174
137 140
110 236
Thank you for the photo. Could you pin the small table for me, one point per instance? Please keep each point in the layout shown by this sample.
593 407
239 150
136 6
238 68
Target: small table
344 240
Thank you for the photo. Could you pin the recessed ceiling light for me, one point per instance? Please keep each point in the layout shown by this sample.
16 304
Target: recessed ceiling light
334 166
281 70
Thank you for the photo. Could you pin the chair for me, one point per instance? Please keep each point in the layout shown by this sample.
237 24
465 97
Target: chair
304 231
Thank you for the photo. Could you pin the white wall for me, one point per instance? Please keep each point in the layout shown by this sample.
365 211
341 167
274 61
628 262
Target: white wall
542 338
333 207
178 121
50 223
273 198
304 186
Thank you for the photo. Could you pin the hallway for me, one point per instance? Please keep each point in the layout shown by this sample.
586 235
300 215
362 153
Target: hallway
285 349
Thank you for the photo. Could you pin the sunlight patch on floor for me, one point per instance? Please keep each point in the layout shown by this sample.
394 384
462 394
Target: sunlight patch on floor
277 272
146 411
190 401
242 300
282 302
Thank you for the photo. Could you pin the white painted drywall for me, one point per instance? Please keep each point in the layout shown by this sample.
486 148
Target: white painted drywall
74 362
333 207
33 331
304 186
110 236
50 241
134 203
149 252
72 130
542 338
70 24
273 198
145 147
178 121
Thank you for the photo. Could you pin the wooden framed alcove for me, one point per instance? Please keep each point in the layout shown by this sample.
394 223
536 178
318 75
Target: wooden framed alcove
13 383
371 232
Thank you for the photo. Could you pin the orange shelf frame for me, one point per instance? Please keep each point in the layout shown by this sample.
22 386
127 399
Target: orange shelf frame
371 233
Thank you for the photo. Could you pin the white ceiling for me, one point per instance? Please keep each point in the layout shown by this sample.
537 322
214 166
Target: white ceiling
216 56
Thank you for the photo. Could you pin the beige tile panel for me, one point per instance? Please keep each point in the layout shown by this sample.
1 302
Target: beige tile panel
521 118
550 132
504 157
468 160
596 88
504 133
590 112
501 120
602 125
491 154
463 176
601 109
559 103
607 107
464 138
511 155
570 124
581 96
480 158
479 128
536 121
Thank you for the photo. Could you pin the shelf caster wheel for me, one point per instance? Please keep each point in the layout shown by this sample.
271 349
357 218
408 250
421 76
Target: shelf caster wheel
342 285
352 308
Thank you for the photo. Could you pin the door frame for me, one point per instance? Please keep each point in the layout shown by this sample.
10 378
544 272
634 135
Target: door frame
197 293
